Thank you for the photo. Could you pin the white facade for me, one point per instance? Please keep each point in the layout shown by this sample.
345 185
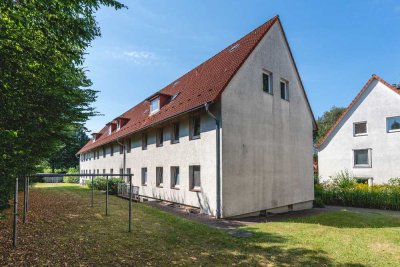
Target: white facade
337 153
266 143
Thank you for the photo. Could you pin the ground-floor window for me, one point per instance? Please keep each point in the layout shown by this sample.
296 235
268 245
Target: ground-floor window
194 176
159 177
175 181
144 176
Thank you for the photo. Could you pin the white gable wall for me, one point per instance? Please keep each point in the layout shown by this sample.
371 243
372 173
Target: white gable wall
266 141
376 104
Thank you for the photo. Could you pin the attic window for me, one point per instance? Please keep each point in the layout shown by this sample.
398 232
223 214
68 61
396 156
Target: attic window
174 96
233 48
155 105
110 129
118 125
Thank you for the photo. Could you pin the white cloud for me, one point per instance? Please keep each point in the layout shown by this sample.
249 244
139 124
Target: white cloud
135 56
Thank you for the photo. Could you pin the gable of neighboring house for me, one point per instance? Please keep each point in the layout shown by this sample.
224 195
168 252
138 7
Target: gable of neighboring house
362 141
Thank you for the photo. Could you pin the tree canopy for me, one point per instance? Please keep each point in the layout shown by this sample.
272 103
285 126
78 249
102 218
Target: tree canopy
326 121
45 93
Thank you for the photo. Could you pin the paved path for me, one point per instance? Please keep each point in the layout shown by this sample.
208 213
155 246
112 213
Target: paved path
230 224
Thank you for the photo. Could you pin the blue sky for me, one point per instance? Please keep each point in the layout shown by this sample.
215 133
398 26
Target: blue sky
337 46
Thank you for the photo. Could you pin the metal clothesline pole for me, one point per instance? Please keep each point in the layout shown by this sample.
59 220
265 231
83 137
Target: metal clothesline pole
15 213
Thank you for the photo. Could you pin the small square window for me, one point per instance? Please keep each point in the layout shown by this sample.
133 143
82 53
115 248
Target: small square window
175 180
155 105
144 141
194 175
175 133
393 124
267 82
195 128
360 128
160 137
284 90
362 158
159 177
144 176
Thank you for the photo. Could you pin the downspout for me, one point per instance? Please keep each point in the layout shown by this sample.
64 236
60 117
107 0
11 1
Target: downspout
124 159
218 159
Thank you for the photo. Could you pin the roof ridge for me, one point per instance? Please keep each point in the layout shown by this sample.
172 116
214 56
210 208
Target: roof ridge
353 102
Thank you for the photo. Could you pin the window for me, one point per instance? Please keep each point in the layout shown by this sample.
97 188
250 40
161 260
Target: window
195 128
160 137
144 141
393 124
118 125
284 90
112 151
267 82
362 158
109 129
144 176
111 171
104 171
129 145
121 149
155 105
98 171
360 128
121 171
98 154
159 177
175 177
175 133
194 176
104 151
128 171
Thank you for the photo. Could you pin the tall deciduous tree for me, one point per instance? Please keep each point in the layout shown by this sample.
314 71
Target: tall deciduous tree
44 90
327 120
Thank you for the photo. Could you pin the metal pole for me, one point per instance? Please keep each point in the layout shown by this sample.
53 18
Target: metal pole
27 195
15 213
130 203
92 190
107 196
25 198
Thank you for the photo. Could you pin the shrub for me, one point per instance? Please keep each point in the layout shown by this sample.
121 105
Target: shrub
72 179
318 203
100 183
394 181
343 179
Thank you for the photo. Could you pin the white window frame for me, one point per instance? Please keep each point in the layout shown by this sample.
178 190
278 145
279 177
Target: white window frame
192 120
369 165
286 83
360 134
192 187
387 125
270 83
151 105
158 182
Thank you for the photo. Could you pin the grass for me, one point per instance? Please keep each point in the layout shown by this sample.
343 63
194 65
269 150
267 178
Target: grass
63 230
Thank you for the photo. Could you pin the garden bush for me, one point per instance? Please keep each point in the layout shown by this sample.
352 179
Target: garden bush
361 195
100 183
72 179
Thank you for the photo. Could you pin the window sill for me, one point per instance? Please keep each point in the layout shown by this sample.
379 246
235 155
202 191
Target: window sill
394 131
195 137
159 186
361 166
195 190
175 188
357 135
174 142
144 184
160 145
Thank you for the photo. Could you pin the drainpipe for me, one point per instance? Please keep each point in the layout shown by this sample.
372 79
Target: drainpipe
218 159
124 159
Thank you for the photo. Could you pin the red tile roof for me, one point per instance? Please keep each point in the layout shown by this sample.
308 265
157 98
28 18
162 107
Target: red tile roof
355 100
203 84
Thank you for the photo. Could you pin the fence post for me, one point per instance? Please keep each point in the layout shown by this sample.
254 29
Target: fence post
92 191
15 213
25 198
130 203
107 196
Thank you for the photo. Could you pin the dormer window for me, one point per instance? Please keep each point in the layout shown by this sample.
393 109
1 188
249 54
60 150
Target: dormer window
95 136
118 125
111 127
155 105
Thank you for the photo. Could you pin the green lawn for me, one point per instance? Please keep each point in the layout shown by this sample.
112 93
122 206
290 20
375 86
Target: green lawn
63 229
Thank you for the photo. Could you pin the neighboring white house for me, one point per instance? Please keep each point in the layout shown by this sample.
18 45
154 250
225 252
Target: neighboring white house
233 136
365 140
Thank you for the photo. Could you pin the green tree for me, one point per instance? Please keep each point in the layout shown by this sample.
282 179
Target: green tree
65 158
325 122
44 90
